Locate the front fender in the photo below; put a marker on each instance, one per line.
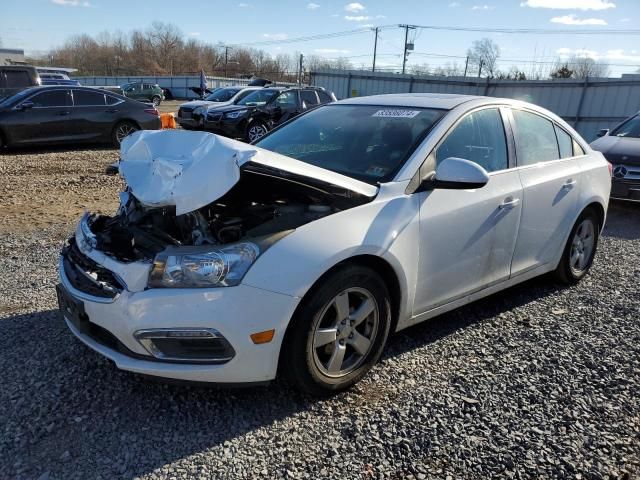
(383, 228)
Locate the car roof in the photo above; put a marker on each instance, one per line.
(446, 101)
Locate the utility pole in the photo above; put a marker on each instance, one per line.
(406, 44)
(466, 66)
(375, 49)
(300, 69)
(226, 60)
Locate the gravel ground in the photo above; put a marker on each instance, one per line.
(535, 382)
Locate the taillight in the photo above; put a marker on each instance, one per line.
(610, 169)
(152, 111)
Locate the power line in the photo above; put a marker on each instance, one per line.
(309, 38)
(533, 31)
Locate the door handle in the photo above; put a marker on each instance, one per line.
(509, 203)
(569, 184)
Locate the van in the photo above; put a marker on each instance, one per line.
(14, 78)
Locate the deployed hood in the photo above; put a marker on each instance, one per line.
(189, 170)
(619, 149)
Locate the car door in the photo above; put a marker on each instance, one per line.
(285, 107)
(46, 117)
(467, 237)
(91, 118)
(550, 184)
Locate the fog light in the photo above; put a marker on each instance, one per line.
(187, 345)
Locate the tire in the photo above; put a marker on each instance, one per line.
(121, 130)
(580, 249)
(323, 351)
(256, 130)
(156, 100)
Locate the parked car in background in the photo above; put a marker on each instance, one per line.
(58, 114)
(261, 111)
(14, 78)
(298, 255)
(621, 146)
(47, 78)
(144, 92)
(191, 114)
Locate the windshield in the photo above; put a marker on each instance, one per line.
(222, 94)
(630, 128)
(369, 143)
(259, 97)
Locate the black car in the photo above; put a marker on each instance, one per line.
(62, 114)
(621, 147)
(253, 116)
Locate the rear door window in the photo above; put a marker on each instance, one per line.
(54, 98)
(565, 142)
(535, 138)
(480, 138)
(309, 97)
(84, 98)
(324, 97)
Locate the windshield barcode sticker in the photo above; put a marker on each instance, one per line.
(396, 113)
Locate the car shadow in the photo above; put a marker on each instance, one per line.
(38, 149)
(135, 425)
(623, 220)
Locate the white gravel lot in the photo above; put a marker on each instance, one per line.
(539, 381)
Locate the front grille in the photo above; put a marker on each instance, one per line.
(86, 275)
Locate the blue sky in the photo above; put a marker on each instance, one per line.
(37, 25)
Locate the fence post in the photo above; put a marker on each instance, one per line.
(411, 84)
(349, 86)
(585, 86)
(486, 88)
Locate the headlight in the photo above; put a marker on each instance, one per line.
(200, 267)
(235, 114)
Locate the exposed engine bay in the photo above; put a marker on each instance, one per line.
(260, 205)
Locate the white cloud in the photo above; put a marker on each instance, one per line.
(71, 3)
(483, 7)
(625, 20)
(569, 4)
(381, 16)
(454, 4)
(357, 18)
(312, 6)
(354, 7)
(243, 5)
(330, 50)
(275, 36)
(194, 34)
(613, 55)
(573, 20)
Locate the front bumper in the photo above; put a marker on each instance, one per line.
(235, 312)
(233, 128)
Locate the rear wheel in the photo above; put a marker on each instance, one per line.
(256, 130)
(580, 249)
(156, 100)
(121, 131)
(339, 332)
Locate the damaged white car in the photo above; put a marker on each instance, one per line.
(233, 263)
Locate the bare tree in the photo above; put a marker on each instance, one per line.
(579, 67)
(483, 56)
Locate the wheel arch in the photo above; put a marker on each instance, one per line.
(375, 263)
(598, 208)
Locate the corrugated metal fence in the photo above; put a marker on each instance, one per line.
(588, 105)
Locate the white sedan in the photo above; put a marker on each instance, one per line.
(233, 263)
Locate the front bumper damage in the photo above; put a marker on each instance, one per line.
(106, 319)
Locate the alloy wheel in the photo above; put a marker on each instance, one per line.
(345, 332)
(123, 130)
(256, 132)
(582, 246)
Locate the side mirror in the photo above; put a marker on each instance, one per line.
(456, 174)
(26, 105)
(603, 132)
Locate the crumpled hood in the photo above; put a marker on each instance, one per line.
(189, 170)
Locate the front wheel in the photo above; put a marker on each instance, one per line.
(580, 250)
(122, 130)
(156, 100)
(339, 332)
(256, 131)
